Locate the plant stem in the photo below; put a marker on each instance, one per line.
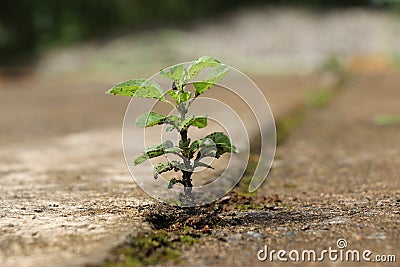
(187, 182)
(185, 142)
(186, 175)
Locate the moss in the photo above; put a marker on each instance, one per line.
(319, 98)
(386, 119)
(153, 248)
(396, 60)
(287, 206)
(289, 185)
(189, 240)
(251, 206)
(316, 98)
(286, 124)
(243, 186)
(146, 249)
(332, 64)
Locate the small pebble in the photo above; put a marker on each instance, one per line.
(289, 234)
(234, 237)
(337, 220)
(377, 236)
(304, 228)
(255, 235)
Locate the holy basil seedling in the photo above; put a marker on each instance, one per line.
(190, 153)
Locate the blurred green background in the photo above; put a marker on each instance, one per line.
(28, 28)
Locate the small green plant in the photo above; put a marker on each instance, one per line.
(189, 152)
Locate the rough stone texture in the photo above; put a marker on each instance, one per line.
(65, 193)
(66, 196)
(337, 177)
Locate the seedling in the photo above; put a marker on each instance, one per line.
(190, 153)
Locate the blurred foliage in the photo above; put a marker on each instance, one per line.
(27, 27)
(319, 97)
(386, 119)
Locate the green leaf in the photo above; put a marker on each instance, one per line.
(195, 145)
(174, 181)
(142, 88)
(155, 151)
(176, 73)
(178, 165)
(173, 120)
(199, 64)
(166, 166)
(217, 74)
(149, 119)
(172, 150)
(178, 96)
(126, 88)
(205, 146)
(213, 77)
(199, 122)
(169, 128)
(221, 144)
(201, 87)
(162, 167)
(202, 164)
(207, 151)
(142, 158)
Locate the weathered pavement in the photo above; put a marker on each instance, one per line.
(65, 193)
(66, 196)
(63, 184)
(337, 177)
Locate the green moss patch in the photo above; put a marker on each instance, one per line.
(151, 248)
